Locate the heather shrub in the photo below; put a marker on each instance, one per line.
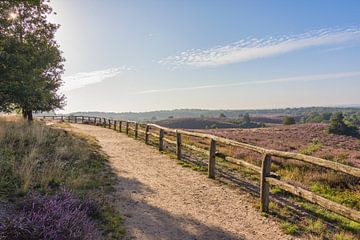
(37, 158)
(57, 217)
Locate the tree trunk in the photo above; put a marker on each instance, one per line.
(29, 115)
(24, 114)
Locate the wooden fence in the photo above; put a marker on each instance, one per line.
(267, 178)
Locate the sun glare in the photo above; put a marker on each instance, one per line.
(12, 16)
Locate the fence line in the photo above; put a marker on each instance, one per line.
(267, 177)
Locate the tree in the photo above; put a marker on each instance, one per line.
(222, 115)
(338, 126)
(288, 120)
(30, 60)
(246, 118)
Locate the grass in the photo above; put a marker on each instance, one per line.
(36, 157)
(289, 228)
(311, 148)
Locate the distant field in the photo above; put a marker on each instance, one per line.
(196, 123)
(297, 138)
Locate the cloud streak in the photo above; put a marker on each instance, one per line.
(83, 79)
(304, 78)
(250, 49)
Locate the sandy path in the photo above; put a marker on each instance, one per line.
(162, 200)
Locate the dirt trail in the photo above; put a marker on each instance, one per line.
(161, 200)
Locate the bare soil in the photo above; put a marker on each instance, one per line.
(159, 199)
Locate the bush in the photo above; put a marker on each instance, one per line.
(61, 216)
(289, 120)
(338, 126)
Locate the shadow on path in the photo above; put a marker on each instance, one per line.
(144, 221)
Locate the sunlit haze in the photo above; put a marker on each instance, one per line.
(149, 55)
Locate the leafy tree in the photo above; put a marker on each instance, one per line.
(222, 115)
(246, 118)
(338, 126)
(30, 60)
(288, 120)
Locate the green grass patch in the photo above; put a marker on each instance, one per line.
(311, 148)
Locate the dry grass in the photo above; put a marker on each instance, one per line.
(36, 157)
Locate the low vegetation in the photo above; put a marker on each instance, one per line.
(54, 185)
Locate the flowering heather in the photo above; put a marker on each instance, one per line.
(57, 217)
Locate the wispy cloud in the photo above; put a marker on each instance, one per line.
(83, 79)
(250, 49)
(310, 78)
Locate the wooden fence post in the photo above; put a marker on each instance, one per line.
(147, 134)
(265, 186)
(211, 166)
(120, 125)
(69, 119)
(178, 145)
(127, 128)
(53, 117)
(104, 122)
(115, 125)
(136, 130)
(109, 121)
(161, 140)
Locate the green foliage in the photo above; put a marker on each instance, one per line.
(288, 120)
(342, 196)
(311, 148)
(338, 126)
(246, 118)
(31, 62)
(289, 228)
(222, 115)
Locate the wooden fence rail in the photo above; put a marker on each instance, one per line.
(267, 177)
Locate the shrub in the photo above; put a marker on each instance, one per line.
(338, 126)
(288, 120)
(61, 216)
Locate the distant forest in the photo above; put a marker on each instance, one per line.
(302, 114)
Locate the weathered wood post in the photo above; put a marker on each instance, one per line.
(104, 122)
(109, 122)
(120, 125)
(69, 118)
(82, 119)
(62, 118)
(89, 120)
(211, 167)
(147, 134)
(178, 145)
(115, 125)
(127, 128)
(265, 186)
(136, 130)
(161, 139)
(43, 117)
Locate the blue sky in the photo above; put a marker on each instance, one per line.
(150, 55)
